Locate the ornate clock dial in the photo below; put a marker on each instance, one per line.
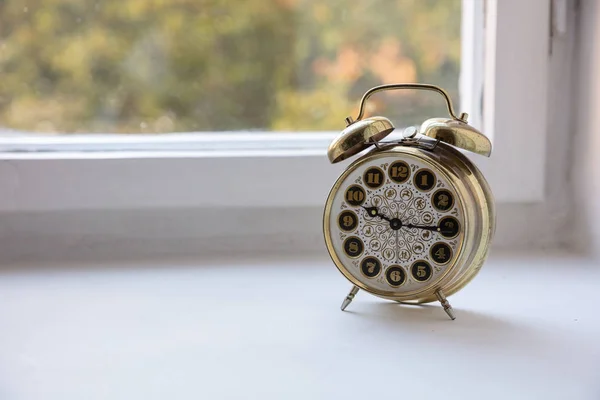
(396, 224)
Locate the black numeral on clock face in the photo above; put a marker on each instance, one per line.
(348, 221)
(421, 271)
(370, 267)
(395, 275)
(442, 200)
(353, 247)
(355, 195)
(440, 253)
(374, 177)
(399, 171)
(449, 227)
(424, 180)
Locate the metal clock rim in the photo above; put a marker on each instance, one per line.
(413, 295)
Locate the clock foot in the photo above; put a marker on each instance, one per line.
(349, 298)
(444, 301)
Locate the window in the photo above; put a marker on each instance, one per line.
(131, 66)
(247, 169)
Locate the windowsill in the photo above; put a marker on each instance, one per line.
(193, 170)
(220, 329)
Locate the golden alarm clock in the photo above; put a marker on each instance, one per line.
(412, 219)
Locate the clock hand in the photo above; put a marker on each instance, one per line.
(434, 228)
(427, 228)
(397, 246)
(374, 212)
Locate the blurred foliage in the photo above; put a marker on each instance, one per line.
(213, 65)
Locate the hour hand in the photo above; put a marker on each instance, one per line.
(374, 212)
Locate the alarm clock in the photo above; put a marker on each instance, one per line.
(411, 220)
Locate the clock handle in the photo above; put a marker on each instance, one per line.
(417, 86)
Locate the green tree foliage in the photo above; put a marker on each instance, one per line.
(211, 65)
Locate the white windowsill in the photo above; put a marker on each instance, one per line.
(272, 329)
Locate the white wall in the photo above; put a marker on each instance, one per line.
(585, 172)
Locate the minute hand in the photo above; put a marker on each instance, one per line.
(430, 228)
(427, 228)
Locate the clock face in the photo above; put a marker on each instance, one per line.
(396, 224)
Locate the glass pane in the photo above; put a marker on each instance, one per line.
(128, 66)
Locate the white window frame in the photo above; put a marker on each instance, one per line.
(291, 170)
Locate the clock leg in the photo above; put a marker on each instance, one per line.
(447, 307)
(349, 298)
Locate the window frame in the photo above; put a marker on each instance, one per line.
(258, 169)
